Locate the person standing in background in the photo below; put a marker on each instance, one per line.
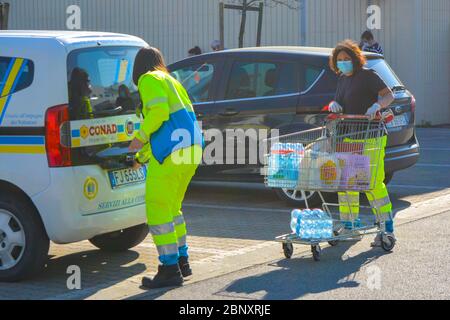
(195, 51)
(369, 44)
(216, 45)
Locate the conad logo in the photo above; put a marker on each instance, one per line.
(100, 130)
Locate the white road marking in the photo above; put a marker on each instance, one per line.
(191, 249)
(235, 253)
(435, 149)
(210, 206)
(432, 165)
(410, 186)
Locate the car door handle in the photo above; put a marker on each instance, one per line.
(229, 112)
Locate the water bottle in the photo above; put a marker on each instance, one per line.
(274, 165)
(317, 224)
(295, 220)
(308, 230)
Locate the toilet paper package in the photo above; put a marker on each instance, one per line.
(355, 171)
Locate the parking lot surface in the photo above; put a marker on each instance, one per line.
(231, 232)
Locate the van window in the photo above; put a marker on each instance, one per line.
(16, 74)
(100, 80)
(262, 79)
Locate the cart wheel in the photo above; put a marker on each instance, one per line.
(334, 243)
(288, 250)
(388, 242)
(316, 251)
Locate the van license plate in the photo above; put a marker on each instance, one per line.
(399, 121)
(119, 178)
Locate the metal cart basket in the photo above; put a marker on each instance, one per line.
(341, 156)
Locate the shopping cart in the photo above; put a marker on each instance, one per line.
(341, 156)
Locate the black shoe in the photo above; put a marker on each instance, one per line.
(185, 268)
(167, 276)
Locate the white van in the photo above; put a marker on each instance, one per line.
(68, 109)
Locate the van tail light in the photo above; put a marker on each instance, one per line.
(58, 155)
(413, 104)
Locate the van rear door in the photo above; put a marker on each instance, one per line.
(104, 116)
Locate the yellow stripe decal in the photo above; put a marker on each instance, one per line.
(23, 149)
(10, 82)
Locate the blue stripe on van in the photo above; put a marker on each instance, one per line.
(18, 140)
(76, 133)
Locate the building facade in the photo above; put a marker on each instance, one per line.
(415, 34)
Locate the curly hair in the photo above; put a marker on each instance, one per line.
(353, 50)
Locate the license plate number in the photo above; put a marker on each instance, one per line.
(399, 121)
(119, 178)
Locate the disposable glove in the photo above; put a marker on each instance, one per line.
(335, 107)
(373, 111)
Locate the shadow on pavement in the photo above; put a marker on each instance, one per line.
(301, 276)
(99, 270)
(249, 225)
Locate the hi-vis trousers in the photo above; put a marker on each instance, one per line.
(167, 184)
(379, 196)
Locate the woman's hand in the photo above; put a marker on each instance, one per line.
(136, 165)
(372, 112)
(136, 145)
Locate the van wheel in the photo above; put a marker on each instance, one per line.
(24, 244)
(295, 198)
(122, 240)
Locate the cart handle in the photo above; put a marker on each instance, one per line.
(380, 117)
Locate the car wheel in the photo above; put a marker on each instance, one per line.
(295, 198)
(388, 178)
(24, 244)
(122, 240)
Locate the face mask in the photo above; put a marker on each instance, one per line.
(346, 67)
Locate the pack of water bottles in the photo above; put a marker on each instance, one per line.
(283, 165)
(311, 224)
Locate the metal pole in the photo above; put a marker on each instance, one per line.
(260, 22)
(222, 24)
(4, 16)
(303, 22)
(243, 23)
(1, 16)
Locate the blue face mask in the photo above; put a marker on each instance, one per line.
(346, 67)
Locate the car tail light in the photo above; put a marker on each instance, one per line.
(58, 155)
(413, 104)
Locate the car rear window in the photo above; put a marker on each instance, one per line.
(101, 79)
(385, 72)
